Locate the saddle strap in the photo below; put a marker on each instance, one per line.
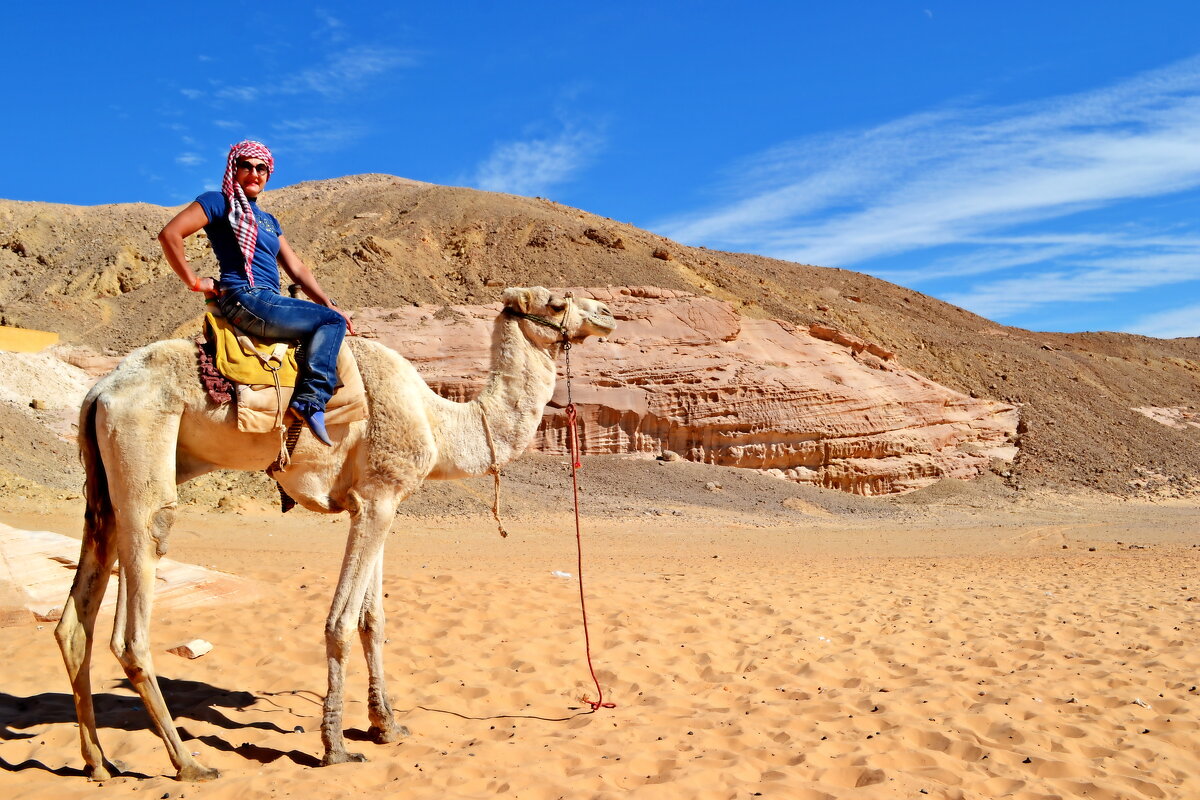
(272, 362)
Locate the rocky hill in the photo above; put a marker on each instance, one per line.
(96, 275)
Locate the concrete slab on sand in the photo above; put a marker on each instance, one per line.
(37, 567)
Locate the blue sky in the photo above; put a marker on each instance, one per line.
(1035, 162)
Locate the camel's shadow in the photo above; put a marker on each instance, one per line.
(24, 717)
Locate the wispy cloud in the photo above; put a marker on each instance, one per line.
(331, 28)
(965, 179)
(315, 135)
(313, 95)
(346, 71)
(1169, 324)
(1092, 280)
(343, 73)
(241, 94)
(534, 166)
(189, 159)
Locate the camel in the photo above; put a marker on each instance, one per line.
(148, 426)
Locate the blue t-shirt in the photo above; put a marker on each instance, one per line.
(265, 265)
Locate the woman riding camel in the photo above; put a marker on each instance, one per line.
(250, 248)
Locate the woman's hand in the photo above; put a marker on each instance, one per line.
(301, 274)
(183, 225)
(349, 322)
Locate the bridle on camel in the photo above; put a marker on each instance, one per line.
(560, 326)
(573, 447)
(494, 468)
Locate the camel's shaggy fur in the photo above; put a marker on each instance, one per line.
(148, 426)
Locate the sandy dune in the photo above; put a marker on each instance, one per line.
(957, 652)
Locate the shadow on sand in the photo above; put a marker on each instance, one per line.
(26, 717)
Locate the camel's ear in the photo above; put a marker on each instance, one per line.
(517, 299)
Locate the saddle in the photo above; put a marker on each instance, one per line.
(264, 373)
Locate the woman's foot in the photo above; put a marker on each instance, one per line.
(316, 423)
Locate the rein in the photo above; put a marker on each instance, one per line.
(494, 467)
(573, 447)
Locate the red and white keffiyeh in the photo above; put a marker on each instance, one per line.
(241, 213)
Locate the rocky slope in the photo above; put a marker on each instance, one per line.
(688, 375)
(95, 275)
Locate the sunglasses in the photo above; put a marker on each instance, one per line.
(261, 169)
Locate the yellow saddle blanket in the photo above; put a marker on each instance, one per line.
(246, 359)
(253, 365)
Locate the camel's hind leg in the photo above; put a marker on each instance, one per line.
(371, 631)
(75, 636)
(140, 455)
(370, 521)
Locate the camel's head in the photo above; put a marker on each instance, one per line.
(550, 315)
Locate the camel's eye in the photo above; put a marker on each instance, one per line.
(557, 304)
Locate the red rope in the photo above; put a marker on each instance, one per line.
(573, 441)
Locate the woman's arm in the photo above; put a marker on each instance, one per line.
(301, 274)
(184, 224)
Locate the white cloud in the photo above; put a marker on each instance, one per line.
(345, 71)
(189, 159)
(533, 166)
(1100, 279)
(241, 94)
(314, 135)
(342, 73)
(331, 27)
(999, 253)
(1169, 324)
(963, 178)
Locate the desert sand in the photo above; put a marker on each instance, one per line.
(944, 645)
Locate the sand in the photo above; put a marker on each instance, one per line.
(1028, 649)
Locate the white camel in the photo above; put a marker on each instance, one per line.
(148, 426)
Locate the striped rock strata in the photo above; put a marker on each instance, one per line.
(690, 375)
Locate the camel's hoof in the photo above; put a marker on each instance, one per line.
(195, 773)
(98, 774)
(341, 758)
(392, 733)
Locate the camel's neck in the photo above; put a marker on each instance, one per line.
(520, 384)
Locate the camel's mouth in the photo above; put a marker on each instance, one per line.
(598, 322)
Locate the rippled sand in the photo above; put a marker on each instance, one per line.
(980, 655)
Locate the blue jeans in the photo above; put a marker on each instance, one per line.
(320, 330)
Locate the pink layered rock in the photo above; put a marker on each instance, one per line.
(690, 375)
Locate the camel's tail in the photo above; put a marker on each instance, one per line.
(75, 628)
(98, 515)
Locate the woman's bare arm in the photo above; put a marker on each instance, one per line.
(298, 271)
(183, 225)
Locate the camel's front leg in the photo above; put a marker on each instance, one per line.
(370, 521)
(371, 630)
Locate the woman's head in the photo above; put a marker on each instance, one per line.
(248, 168)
